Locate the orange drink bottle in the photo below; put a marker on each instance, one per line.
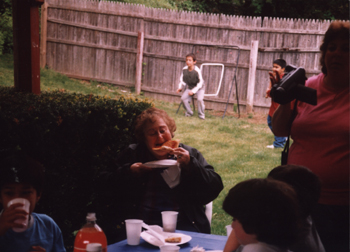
(90, 233)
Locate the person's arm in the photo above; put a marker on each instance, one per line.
(268, 90)
(281, 120)
(200, 83)
(127, 167)
(232, 243)
(58, 239)
(199, 182)
(181, 83)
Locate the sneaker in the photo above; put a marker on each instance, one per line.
(270, 146)
(202, 118)
(188, 114)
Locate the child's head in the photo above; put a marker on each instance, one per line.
(191, 59)
(279, 65)
(265, 210)
(305, 183)
(21, 177)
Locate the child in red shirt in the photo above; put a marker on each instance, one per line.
(278, 68)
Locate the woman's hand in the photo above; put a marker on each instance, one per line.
(139, 168)
(183, 156)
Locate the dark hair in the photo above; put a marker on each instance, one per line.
(305, 183)
(337, 29)
(281, 62)
(267, 208)
(149, 116)
(20, 168)
(191, 55)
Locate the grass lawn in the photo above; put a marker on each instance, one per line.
(235, 147)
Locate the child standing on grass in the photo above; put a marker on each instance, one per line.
(191, 78)
(265, 215)
(23, 177)
(279, 66)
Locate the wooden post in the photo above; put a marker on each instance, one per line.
(139, 57)
(252, 72)
(43, 38)
(26, 51)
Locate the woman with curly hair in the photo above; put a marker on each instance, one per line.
(141, 192)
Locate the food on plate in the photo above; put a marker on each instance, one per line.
(168, 145)
(173, 239)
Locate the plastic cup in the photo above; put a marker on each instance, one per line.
(169, 219)
(228, 230)
(133, 231)
(26, 205)
(169, 248)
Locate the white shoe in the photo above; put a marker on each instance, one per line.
(270, 146)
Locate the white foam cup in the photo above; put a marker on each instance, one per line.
(228, 230)
(133, 231)
(169, 219)
(169, 248)
(24, 221)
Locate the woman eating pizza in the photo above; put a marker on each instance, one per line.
(159, 174)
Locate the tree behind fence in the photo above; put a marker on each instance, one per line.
(98, 41)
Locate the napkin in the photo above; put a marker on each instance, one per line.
(197, 249)
(171, 175)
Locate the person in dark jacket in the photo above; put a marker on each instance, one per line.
(136, 190)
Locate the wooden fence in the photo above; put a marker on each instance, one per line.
(123, 44)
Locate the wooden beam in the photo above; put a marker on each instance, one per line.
(26, 45)
(43, 35)
(252, 72)
(139, 57)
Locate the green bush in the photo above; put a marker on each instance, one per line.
(74, 136)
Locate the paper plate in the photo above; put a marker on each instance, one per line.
(161, 163)
(154, 241)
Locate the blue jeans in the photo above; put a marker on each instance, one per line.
(279, 141)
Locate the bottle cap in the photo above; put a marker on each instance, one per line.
(94, 247)
(91, 217)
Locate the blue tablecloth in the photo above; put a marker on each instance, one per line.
(207, 241)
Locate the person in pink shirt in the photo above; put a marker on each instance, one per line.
(321, 137)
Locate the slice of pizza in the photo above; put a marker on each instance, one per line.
(168, 145)
(173, 239)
